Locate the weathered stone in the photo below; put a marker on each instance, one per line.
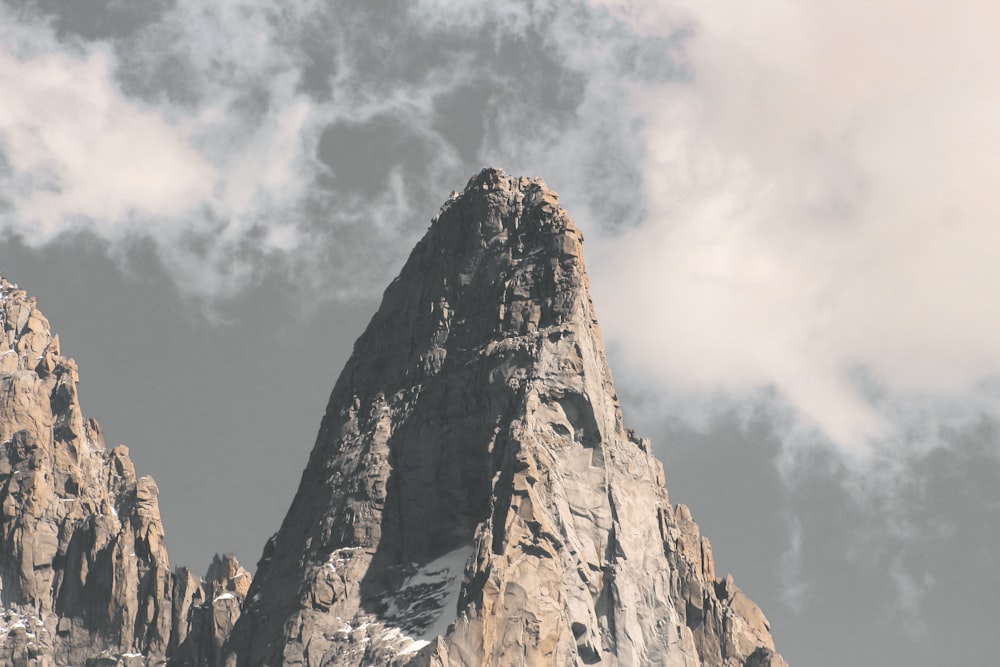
(82, 560)
(205, 611)
(476, 430)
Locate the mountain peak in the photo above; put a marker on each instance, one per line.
(476, 428)
(473, 496)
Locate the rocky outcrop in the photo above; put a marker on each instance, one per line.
(83, 568)
(474, 496)
(84, 574)
(205, 611)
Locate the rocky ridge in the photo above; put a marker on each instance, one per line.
(83, 566)
(84, 572)
(476, 428)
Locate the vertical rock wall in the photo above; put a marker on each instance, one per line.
(83, 567)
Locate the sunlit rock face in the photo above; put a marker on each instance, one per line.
(83, 567)
(205, 611)
(474, 497)
(84, 573)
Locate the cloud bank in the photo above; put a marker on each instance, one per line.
(784, 195)
(821, 201)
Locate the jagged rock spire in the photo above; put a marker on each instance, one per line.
(83, 568)
(473, 496)
(84, 572)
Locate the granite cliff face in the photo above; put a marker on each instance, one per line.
(474, 497)
(84, 573)
(205, 611)
(83, 567)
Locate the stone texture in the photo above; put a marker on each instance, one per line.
(205, 611)
(83, 568)
(477, 416)
(84, 572)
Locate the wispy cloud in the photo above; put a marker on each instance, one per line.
(198, 133)
(820, 210)
(785, 195)
(794, 587)
(77, 152)
(82, 156)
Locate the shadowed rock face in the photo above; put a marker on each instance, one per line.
(83, 567)
(477, 423)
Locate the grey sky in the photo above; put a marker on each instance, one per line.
(789, 212)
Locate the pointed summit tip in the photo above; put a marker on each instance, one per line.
(504, 212)
(495, 178)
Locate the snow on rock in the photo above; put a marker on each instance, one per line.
(427, 601)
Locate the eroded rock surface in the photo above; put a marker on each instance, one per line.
(84, 573)
(205, 611)
(83, 568)
(476, 423)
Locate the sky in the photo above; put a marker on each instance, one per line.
(789, 210)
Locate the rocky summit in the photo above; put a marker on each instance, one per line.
(473, 496)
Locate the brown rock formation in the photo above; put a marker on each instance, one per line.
(84, 575)
(83, 568)
(473, 497)
(205, 611)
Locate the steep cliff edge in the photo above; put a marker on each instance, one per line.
(83, 567)
(84, 573)
(473, 496)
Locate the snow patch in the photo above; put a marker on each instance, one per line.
(427, 601)
(415, 646)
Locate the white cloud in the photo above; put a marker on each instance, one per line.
(815, 183)
(61, 118)
(82, 156)
(196, 136)
(821, 201)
